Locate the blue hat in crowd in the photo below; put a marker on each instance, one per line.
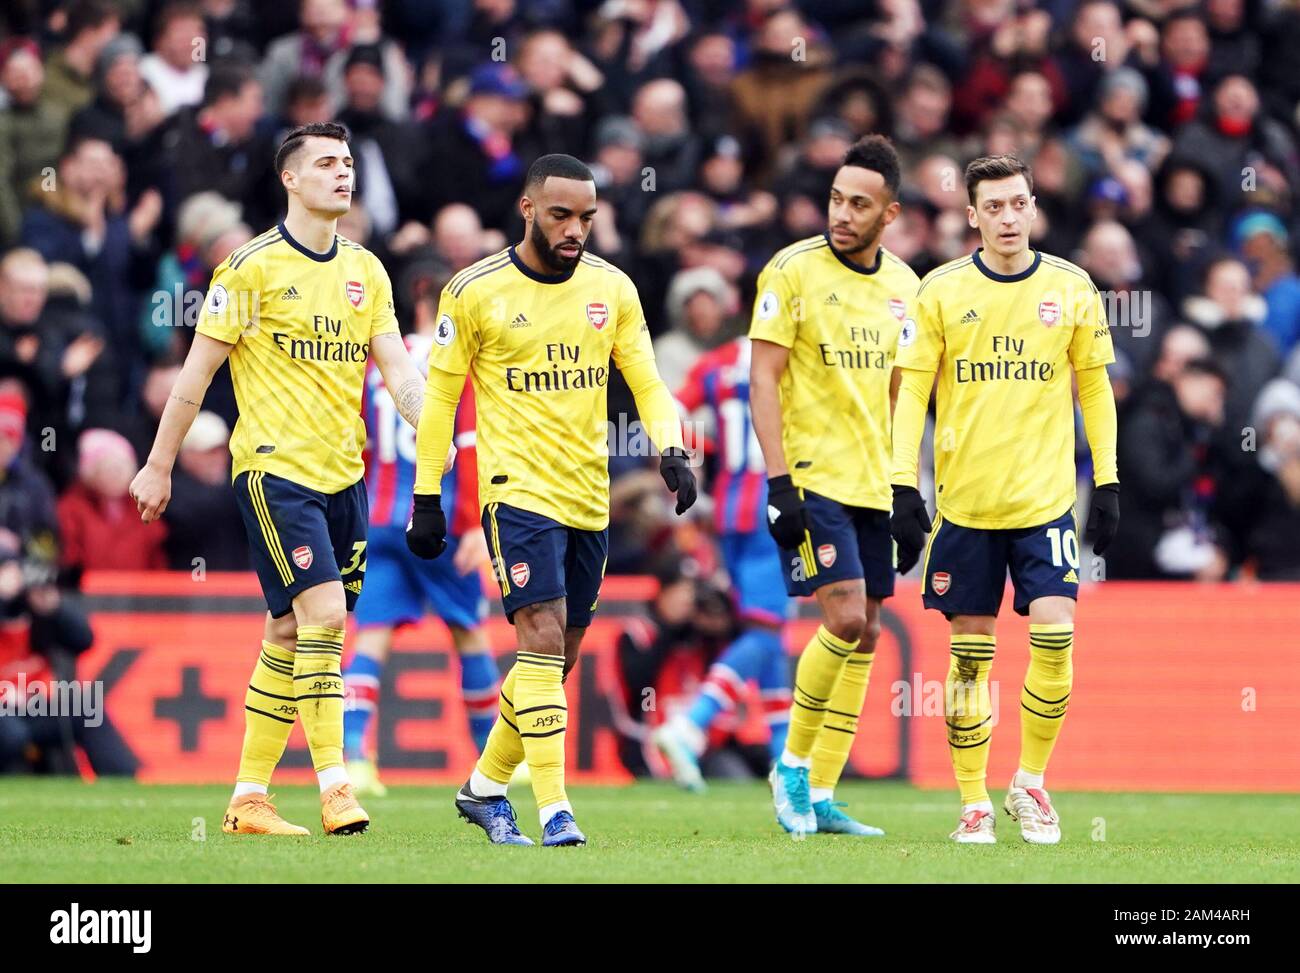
(496, 79)
(1259, 221)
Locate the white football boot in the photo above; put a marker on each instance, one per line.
(975, 828)
(1032, 807)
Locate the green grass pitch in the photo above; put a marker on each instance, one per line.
(64, 831)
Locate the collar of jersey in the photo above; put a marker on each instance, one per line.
(880, 258)
(1006, 278)
(318, 257)
(534, 275)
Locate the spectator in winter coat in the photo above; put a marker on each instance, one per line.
(100, 526)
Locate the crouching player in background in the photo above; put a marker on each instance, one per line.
(400, 586)
(720, 382)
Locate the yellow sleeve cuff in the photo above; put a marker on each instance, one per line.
(437, 424)
(655, 405)
(1097, 402)
(909, 425)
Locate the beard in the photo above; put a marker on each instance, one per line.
(869, 237)
(552, 257)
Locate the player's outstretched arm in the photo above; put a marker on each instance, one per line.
(658, 411)
(1097, 403)
(152, 487)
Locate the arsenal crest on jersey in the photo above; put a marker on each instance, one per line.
(302, 557)
(1049, 312)
(597, 314)
(356, 292)
(520, 573)
(897, 307)
(940, 582)
(826, 555)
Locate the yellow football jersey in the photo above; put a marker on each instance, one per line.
(301, 323)
(1003, 347)
(841, 323)
(539, 351)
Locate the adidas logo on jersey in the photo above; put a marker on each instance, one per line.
(291, 294)
(832, 301)
(1071, 577)
(520, 321)
(970, 317)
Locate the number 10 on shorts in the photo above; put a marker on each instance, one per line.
(1064, 541)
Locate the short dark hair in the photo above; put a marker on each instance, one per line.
(1207, 366)
(996, 167)
(86, 15)
(225, 80)
(77, 140)
(876, 152)
(173, 11)
(294, 140)
(304, 88)
(559, 165)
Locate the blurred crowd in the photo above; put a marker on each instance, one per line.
(136, 140)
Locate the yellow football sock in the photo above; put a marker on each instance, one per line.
(815, 677)
(1046, 695)
(318, 685)
(504, 750)
(831, 751)
(269, 713)
(969, 713)
(541, 713)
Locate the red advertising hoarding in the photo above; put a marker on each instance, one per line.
(1177, 687)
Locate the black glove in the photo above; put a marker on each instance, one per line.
(426, 532)
(910, 525)
(1103, 516)
(674, 468)
(907, 559)
(786, 519)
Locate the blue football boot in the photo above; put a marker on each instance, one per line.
(790, 799)
(831, 820)
(562, 830)
(494, 815)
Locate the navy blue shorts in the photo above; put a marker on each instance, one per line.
(300, 537)
(966, 568)
(401, 587)
(841, 543)
(537, 559)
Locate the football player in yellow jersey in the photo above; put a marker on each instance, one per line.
(1005, 330)
(825, 329)
(537, 324)
(297, 311)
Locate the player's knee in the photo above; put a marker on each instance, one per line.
(283, 631)
(848, 624)
(540, 628)
(325, 616)
(870, 635)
